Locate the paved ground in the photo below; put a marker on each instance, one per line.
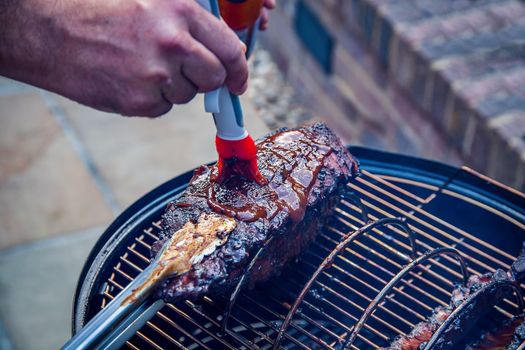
(66, 171)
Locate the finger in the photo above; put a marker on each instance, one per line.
(203, 68)
(178, 89)
(269, 4)
(221, 41)
(264, 19)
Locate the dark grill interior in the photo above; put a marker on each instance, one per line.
(323, 305)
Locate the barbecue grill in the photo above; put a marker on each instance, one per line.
(403, 236)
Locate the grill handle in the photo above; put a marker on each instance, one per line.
(121, 318)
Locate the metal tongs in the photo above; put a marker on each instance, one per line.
(136, 303)
(120, 319)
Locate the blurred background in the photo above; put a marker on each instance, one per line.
(436, 79)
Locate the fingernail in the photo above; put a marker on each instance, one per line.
(244, 47)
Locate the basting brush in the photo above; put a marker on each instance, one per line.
(235, 147)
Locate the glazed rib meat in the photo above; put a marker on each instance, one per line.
(307, 170)
(424, 330)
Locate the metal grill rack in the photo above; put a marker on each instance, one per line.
(366, 279)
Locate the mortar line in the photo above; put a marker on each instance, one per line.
(60, 116)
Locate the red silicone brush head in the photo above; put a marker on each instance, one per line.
(237, 157)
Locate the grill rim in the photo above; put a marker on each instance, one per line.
(385, 163)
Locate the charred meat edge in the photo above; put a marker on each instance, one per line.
(424, 330)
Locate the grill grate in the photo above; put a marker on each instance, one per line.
(313, 307)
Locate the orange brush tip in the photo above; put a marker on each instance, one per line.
(238, 157)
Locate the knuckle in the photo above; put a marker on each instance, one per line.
(176, 42)
(183, 8)
(233, 54)
(155, 75)
(184, 97)
(215, 80)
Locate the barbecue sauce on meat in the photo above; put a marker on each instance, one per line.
(307, 170)
(289, 179)
(234, 166)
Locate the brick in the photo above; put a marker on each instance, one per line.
(458, 24)
(421, 76)
(384, 41)
(424, 32)
(331, 5)
(446, 7)
(404, 11)
(509, 147)
(503, 161)
(434, 8)
(367, 19)
(484, 41)
(456, 120)
(441, 93)
(402, 63)
(496, 105)
(462, 67)
(511, 125)
(501, 83)
(479, 149)
(348, 16)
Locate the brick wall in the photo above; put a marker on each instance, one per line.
(437, 79)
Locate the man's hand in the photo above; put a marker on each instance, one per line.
(133, 57)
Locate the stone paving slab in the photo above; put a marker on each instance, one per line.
(44, 188)
(37, 284)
